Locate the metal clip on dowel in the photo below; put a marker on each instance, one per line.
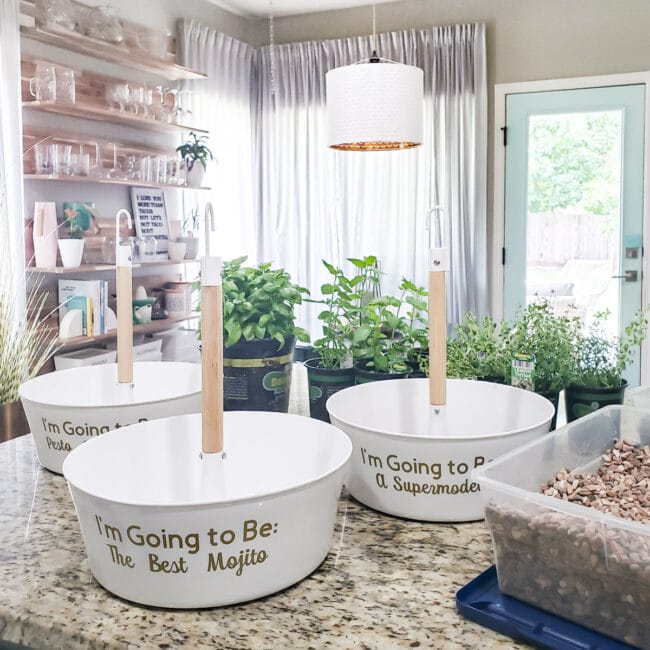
(124, 289)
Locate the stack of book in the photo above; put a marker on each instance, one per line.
(91, 298)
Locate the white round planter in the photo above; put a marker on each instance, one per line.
(195, 175)
(71, 252)
(410, 462)
(67, 408)
(166, 528)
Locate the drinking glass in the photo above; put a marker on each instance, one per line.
(150, 246)
(60, 155)
(147, 100)
(160, 168)
(59, 12)
(65, 86)
(145, 169)
(43, 85)
(42, 161)
(117, 94)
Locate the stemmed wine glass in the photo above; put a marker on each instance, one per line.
(97, 170)
(115, 173)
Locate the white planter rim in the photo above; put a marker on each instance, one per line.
(77, 459)
(452, 436)
(92, 377)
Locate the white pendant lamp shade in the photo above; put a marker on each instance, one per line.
(374, 106)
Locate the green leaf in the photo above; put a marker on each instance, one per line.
(361, 334)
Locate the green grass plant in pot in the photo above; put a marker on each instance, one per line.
(601, 359)
(547, 342)
(26, 345)
(343, 299)
(259, 335)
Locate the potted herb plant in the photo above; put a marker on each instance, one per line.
(378, 342)
(343, 298)
(601, 359)
(195, 154)
(71, 243)
(478, 350)
(414, 326)
(259, 335)
(545, 342)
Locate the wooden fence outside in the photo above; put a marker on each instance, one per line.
(555, 238)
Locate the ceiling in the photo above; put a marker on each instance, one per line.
(262, 8)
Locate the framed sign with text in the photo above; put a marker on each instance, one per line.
(150, 215)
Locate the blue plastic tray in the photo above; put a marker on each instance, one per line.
(482, 602)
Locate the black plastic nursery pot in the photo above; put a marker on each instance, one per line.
(414, 365)
(582, 400)
(363, 374)
(554, 398)
(323, 383)
(257, 375)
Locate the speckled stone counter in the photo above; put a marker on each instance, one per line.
(387, 583)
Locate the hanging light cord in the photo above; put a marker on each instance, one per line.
(373, 57)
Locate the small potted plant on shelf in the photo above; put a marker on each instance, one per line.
(71, 243)
(195, 155)
(189, 232)
(601, 359)
(259, 335)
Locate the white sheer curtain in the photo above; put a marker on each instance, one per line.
(223, 104)
(11, 189)
(316, 203)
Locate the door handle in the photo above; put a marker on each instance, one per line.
(628, 276)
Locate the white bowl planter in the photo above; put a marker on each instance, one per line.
(166, 528)
(71, 252)
(195, 175)
(67, 408)
(409, 462)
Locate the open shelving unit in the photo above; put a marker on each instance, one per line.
(103, 114)
(145, 328)
(95, 101)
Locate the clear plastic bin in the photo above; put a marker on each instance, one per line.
(563, 557)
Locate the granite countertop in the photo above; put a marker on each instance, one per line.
(386, 583)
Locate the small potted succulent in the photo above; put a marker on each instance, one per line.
(71, 243)
(195, 155)
(259, 335)
(601, 359)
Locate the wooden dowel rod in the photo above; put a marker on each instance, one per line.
(437, 339)
(124, 325)
(212, 368)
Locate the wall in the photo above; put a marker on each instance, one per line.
(526, 39)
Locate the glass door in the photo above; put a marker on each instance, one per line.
(574, 203)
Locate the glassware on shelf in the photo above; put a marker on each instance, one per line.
(115, 173)
(97, 170)
(117, 94)
(56, 12)
(147, 100)
(160, 169)
(145, 169)
(173, 171)
(160, 109)
(101, 23)
(132, 168)
(43, 85)
(65, 87)
(136, 98)
(150, 247)
(60, 158)
(42, 161)
(80, 163)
